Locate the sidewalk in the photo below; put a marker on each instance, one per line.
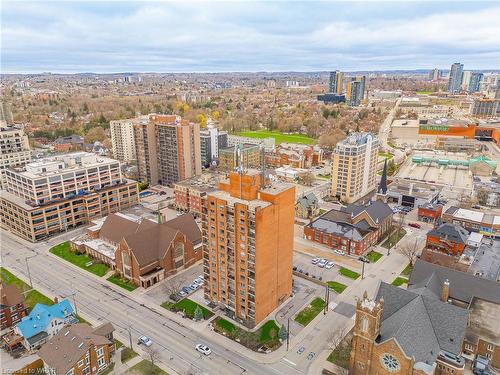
(120, 367)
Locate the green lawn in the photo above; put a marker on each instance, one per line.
(310, 312)
(394, 238)
(398, 281)
(323, 176)
(31, 296)
(341, 354)
(348, 273)
(322, 211)
(423, 92)
(127, 354)
(385, 155)
(147, 368)
(266, 335)
(407, 270)
(336, 286)
(118, 344)
(279, 137)
(373, 256)
(63, 250)
(188, 307)
(120, 281)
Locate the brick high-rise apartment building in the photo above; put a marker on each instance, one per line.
(354, 166)
(248, 246)
(167, 149)
(61, 192)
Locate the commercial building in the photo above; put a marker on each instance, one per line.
(354, 166)
(12, 307)
(167, 149)
(211, 140)
(70, 143)
(78, 349)
(14, 148)
(434, 74)
(61, 192)
(466, 76)
(410, 332)
(455, 78)
(248, 154)
(430, 212)
(473, 220)
(330, 98)
(355, 90)
(122, 138)
(336, 82)
(248, 229)
(475, 82)
(189, 194)
(484, 107)
(352, 229)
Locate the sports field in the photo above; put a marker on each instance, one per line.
(279, 137)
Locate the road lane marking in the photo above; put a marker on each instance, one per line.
(290, 362)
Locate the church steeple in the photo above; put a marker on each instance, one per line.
(382, 187)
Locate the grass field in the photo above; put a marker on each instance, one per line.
(120, 281)
(32, 296)
(407, 270)
(425, 92)
(348, 273)
(385, 155)
(266, 335)
(279, 137)
(398, 281)
(188, 307)
(394, 238)
(310, 312)
(63, 251)
(336, 286)
(341, 354)
(373, 256)
(127, 354)
(147, 368)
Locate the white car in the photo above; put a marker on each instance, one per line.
(198, 281)
(203, 349)
(329, 265)
(322, 263)
(315, 260)
(340, 252)
(145, 340)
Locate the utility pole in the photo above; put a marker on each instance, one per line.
(363, 270)
(288, 334)
(28, 269)
(74, 303)
(327, 298)
(130, 337)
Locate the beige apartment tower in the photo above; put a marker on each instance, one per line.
(248, 246)
(354, 167)
(122, 138)
(167, 149)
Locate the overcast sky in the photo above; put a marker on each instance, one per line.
(120, 36)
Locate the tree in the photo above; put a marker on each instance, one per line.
(307, 179)
(173, 287)
(154, 357)
(410, 250)
(198, 314)
(331, 140)
(283, 333)
(201, 119)
(95, 134)
(215, 115)
(335, 337)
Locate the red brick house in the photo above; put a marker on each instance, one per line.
(448, 239)
(430, 213)
(12, 307)
(149, 256)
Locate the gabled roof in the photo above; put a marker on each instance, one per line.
(422, 324)
(186, 225)
(452, 232)
(10, 295)
(339, 228)
(463, 286)
(116, 226)
(307, 200)
(378, 210)
(41, 316)
(65, 349)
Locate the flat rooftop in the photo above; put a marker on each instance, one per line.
(483, 321)
(415, 189)
(244, 147)
(253, 204)
(486, 260)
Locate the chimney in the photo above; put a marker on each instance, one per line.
(445, 292)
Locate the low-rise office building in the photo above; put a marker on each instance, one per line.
(430, 212)
(474, 220)
(62, 192)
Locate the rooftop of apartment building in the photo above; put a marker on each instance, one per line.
(206, 182)
(5, 127)
(357, 139)
(58, 164)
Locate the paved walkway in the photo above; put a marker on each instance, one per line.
(120, 367)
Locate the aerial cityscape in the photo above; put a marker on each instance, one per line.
(250, 188)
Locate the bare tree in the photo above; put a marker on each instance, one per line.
(154, 357)
(173, 287)
(410, 250)
(307, 179)
(335, 337)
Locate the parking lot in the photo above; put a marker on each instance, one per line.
(304, 262)
(159, 292)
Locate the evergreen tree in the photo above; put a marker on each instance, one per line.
(283, 333)
(198, 314)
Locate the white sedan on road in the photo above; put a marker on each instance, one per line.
(145, 341)
(203, 349)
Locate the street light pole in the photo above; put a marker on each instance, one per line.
(363, 270)
(288, 334)
(28, 269)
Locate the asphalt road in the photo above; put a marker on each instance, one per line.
(98, 302)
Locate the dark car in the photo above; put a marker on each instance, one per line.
(414, 225)
(364, 259)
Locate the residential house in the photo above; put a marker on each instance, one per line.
(43, 322)
(307, 206)
(78, 349)
(352, 229)
(12, 307)
(447, 238)
(148, 256)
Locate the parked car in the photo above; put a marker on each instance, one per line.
(186, 289)
(203, 349)
(322, 263)
(315, 260)
(194, 287)
(364, 259)
(340, 252)
(414, 225)
(145, 341)
(198, 281)
(329, 265)
(183, 293)
(301, 350)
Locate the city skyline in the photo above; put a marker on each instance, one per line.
(64, 37)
